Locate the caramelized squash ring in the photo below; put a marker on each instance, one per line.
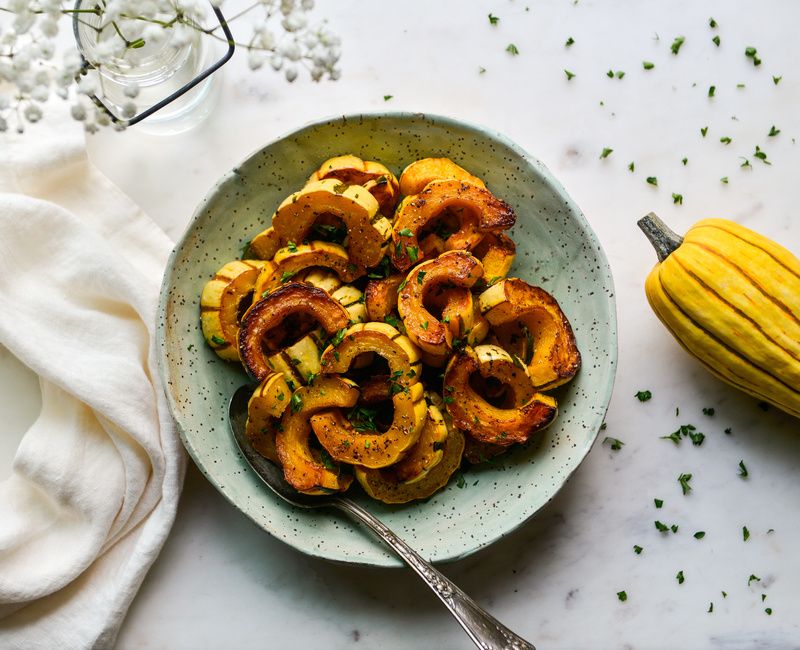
(421, 172)
(271, 311)
(372, 176)
(266, 405)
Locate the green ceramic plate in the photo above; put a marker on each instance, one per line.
(556, 249)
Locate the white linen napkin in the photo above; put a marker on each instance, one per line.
(96, 479)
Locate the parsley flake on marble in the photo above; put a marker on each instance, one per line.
(661, 527)
(493, 20)
(643, 395)
(676, 44)
(751, 53)
(570, 42)
(753, 578)
(712, 23)
(708, 411)
(637, 549)
(710, 608)
(745, 534)
(677, 199)
(773, 132)
(622, 596)
(569, 74)
(724, 180)
(712, 90)
(679, 577)
(700, 534)
(512, 49)
(652, 180)
(684, 161)
(776, 80)
(761, 155)
(715, 40)
(768, 610)
(703, 131)
(631, 167)
(606, 153)
(658, 502)
(683, 480)
(648, 65)
(614, 443)
(743, 470)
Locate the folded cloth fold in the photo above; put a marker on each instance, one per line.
(96, 479)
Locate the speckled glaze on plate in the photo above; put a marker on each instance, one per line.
(556, 248)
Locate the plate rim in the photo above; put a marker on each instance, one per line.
(611, 359)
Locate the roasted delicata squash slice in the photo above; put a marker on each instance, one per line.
(455, 271)
(368, 233)
(496, 252)
(373, 448)
(372, 176)
(300, 363)
(474, 209)
(263, 246)
(226, 297)
(350, 296)
(276, 310)
(381, 296)
(264, 410)
(421, 172)
(390, 486)
(290, 261)
(402, 356)
(528, 322)
(484, 421)
(308, 470)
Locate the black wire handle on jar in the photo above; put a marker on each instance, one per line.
(86, 66)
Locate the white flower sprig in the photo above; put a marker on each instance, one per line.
(30, 71)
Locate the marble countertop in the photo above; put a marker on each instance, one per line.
(221, 582)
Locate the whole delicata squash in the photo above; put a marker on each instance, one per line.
(226, 297)
(481, 419)
(528, 322)
(274, 310)
(475, 210)
(372, 176)
(368, 233)
(421, 172)
(731, 298)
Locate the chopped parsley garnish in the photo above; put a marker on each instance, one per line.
(406, 232)
(569, 74)
(703, 131)
(648, 65)
(637, 549)
(752, 53)
(776, 80)
(362, 418)
(725, 139)
(386, 98)
(753, 578)
(481, 70)
(287, 275)
(570, 41)
(724, 180)
(619, 74)
(413, 253)
(745, 533)
(493, 20)
(337, 338)
(743, 470)
(662, 528)
(712, 90)
(280, 397)
(716, 40)
(712, 23)
(677, 199)
(622, 596)
(773, 132)
(643, 395)
(658, 502)
(708, 411)
(292, 247)
(339, 189)
(700, 534)
(679, 577)
(745, 162)
(461, 482)
(421, 276)
(761, 155)
(610, 74)
(218, 340)
(684, 161)
(674, 528)
(296, 403)
(366, 444)
(710, 608)
(424, 325)
(676, 44)
(652, 180)
(605, 153)
(768, 610)
(615, 444)
(686, 431)
(684, 479)
(512, 49)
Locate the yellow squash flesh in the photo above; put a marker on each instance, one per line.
(731, 298)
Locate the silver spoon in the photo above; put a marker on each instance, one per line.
(485, 631)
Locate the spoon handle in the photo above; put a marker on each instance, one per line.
(485, 631)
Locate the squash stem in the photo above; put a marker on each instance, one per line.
(663, 239)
